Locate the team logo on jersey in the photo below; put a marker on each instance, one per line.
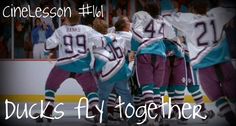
(189, 80)
(183, 80)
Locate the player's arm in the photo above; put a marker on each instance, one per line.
(169, 31)
(171, 34)
(137, 32)
(137, 26)
(180, 38)
(179, 20)
(109, 38)
(127, 43)
(131, 56)
(96, 39)
(51, 43)
(223, 15)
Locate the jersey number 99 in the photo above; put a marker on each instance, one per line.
(80, 46)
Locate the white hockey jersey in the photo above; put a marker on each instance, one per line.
(124, 39)
(207, 42)
(144, 28)
(110, 62)
(75, 47)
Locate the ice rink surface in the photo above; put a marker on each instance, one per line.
(71, 118)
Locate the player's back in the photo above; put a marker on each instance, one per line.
(144, 28)
(147, 26)
(207, 41)
(124, 40)
(203, 30)
(75, 45)
(110, 62)
(73, 40)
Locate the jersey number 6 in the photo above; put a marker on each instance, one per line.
(116, 52)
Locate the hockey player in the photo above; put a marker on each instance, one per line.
(75, 44)
(101, 26)
(193, 87)
(209, 53)
(112, 69)
(178, 69)
(149, 30)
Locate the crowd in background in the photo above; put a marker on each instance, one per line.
(31, 33)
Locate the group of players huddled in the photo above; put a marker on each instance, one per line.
(162, 50)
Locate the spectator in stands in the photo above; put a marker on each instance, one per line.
(3, 47)
(48, 20)
(5, 35)
(19, 40)
(28, 46)
(117, 16)
(40, 33)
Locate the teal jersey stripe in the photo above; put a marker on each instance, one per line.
(218, 55)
